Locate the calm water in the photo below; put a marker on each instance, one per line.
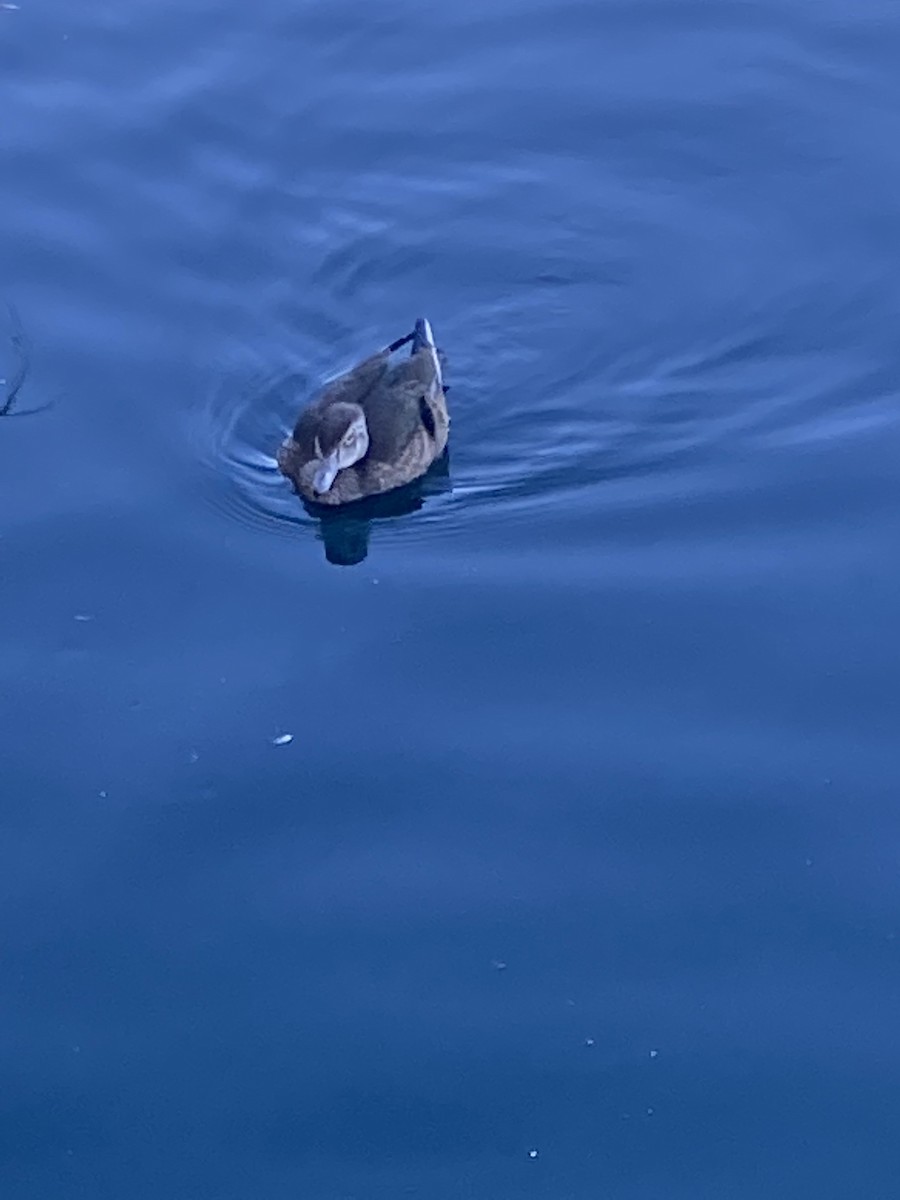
(580, 877)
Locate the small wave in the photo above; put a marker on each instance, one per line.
(541, 412)
(514, 447)
(236, 433)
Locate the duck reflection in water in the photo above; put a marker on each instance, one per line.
(345, 529)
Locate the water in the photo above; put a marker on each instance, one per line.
(579, 876)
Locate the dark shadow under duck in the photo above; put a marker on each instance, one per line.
(344, 529)
(378, 427)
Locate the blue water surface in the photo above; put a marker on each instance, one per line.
(579, 877)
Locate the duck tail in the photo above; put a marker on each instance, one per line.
(407, 337)
(422, 335)
(423, 338)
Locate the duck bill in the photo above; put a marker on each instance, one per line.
(325, 475)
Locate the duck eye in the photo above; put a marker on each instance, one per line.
(350, 438)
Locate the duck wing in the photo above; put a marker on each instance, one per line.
(392, 415)
(420, 369)
(400, 404)
(353, 385)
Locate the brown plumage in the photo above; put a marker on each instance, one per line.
(372, 429)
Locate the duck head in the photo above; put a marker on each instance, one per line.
(342, 439)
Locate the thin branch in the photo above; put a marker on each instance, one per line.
(14, 386)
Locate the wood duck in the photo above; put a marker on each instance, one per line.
(377, 427)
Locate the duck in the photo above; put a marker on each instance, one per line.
(377, 427)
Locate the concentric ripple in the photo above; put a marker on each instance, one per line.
(541, 411)
(237, 432)
(523, 434)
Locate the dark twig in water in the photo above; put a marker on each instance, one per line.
(20, 373)
(14, 386)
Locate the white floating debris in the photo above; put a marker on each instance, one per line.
(498, 964)
(654, 1053)
(589, 1041)
(83, 617)
(532, 1153)
(193, 756)
(10, 8)
(283, 739)
(649, 1112)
